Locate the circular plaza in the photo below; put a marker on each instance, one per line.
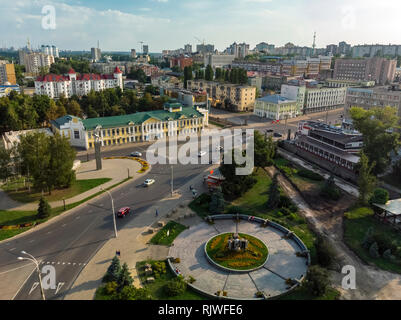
(269, 259)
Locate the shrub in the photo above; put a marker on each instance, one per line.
(317, 280)
(175, 287)
(110, 288)
(44, 209)
(325, 252)
(380, 196)
(330, 190)
(239, 210)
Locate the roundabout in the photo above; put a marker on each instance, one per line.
(273, 262)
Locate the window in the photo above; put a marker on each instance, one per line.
(76, 134)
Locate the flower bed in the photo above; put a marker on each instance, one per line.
(144, 164)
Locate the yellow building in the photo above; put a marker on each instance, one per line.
(7, 73)
(173, 121)
(239, 97)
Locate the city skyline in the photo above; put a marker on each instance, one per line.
(170, 24)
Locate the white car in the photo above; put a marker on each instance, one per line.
(149, 182)
(136, 154)
(201, 153)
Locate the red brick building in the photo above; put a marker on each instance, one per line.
(181, 62)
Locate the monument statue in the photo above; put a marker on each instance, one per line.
(98, 145)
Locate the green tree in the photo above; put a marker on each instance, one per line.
(175, 287)
(217, 203)
(330, 190)
(209, 74)
(113, 271)
(380, 196)
(379, 129)
(274, 194)
(124, 278)
(366, 180)
(187, 75)
(62, 156)
(265, 150)
(317, 280)
(44, 209)
(5, 164)
(132, 293)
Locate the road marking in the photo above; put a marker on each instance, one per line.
(12, 249)
(35, 284)
(63, 263)
(49, 232)
(77, 218)
(24, 283)
(58, 262)
(64, 225)
(60, 284)
(31, 241)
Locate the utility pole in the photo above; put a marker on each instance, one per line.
(172, 180)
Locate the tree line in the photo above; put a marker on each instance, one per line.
(20, 112)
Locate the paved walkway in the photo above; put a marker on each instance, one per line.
(282, 262)
(111, 169)
(132, 243)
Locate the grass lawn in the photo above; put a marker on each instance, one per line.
(356, 223)
(156, 288)
(217, 124)
(161, 237)
(78, 187)
(303, 294)
(10, 218)
(254, 202)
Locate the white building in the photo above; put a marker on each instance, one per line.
(50, 50)
(54, 86)
(219, 60)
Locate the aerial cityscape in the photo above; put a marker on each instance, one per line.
(153, 151)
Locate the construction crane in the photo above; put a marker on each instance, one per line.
(203, 42)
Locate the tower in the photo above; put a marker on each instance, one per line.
(118, 75)
(314, 44)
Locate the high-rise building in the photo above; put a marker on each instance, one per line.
(240, 50)
(188, 48)
(380, 70)
(7, 73)
(145, 49)
(96, 54)
(205, 48)
(50, 50)
(344, 48)
(264, 47)
(34, 61)
(332, 49)
(133, 53)
(218, 60)
(374, 50)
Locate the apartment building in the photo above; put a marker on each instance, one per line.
(54, 86)
(219, 60)
(174, 120)
(264, 67)
(7, 73)
(181, 62)
(276, 107)
(371, 50)
(376, 97)
(229, 96)
(380, 70)
(239, 50)
(34, 61)
(50, 50)
(314, 98)
(96, 54)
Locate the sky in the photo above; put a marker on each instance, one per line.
(120, 25)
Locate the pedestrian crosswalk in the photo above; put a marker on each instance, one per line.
(74, 264)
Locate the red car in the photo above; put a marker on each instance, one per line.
(123, 212)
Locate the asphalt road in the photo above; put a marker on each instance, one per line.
(70, 243)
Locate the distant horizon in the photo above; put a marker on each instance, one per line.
(170, 24)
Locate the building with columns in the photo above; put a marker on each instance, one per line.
(174, 120)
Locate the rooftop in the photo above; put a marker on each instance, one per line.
(276, 99)
(392, 206)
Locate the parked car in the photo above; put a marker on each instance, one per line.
(149, 182)
(277, 135)
(201, 153)
(136, 154)
(269, 130)
(123, 212)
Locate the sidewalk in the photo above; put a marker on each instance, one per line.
(111, 169)
(132, 242)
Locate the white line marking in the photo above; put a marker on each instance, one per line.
(63, 263)
(31, 241)
(49, 232)
(4, 272)
(77, 218)
(23, 283)
(12, 249)
(64, 225)
(58, 262)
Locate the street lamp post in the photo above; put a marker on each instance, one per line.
(172, 181)
(32, 259)
(114, 216)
